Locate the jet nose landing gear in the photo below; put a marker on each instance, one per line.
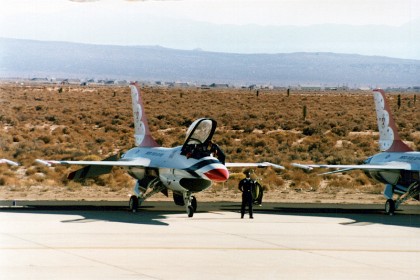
(190, 203)
(190, 211)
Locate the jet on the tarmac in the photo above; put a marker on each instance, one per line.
(397, 166)
(184, 170)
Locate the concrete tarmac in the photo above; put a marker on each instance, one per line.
(86, 240)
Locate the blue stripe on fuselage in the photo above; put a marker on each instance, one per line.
(193, 168)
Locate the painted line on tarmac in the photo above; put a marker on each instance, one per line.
(213, 248)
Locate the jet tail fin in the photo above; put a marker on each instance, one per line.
(389, 139)
(142, 135)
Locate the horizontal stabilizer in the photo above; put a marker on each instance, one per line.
(92, 171)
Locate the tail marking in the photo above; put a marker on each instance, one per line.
(142, 135)
(389, 140)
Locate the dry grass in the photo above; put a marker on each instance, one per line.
(95, 122)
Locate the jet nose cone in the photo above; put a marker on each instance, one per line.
(218, 174)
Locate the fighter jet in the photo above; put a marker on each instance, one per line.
(184, 170)
(397, 165)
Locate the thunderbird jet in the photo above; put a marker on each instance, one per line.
(397, 166)
(184, 170)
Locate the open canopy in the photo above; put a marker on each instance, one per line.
(200, 131)
(198, 137)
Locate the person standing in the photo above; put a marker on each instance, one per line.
(246, 186)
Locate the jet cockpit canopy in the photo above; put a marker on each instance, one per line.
(200, 131)
(199, 134)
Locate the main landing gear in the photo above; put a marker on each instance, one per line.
(154, 186)
(392, 205)
(389, 207)
(134, 203)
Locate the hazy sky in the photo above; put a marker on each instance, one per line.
(177, 24)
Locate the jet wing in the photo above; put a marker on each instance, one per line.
(138, 162)
(93, 169)
(9, 162)
(392, 165)
(253, 164)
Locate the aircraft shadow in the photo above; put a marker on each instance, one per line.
(357, 214)
(146, 215)
(155, 213)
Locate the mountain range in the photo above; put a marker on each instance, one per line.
(30, 58)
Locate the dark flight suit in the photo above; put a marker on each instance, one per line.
(246, 186)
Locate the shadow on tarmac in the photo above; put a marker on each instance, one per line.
(89, 214)
(358, 215)
(154, 213)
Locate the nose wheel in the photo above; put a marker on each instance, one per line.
(190, 211)
(194, 203)
(190, 203)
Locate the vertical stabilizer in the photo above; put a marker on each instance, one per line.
(142, 135)
(389, 140)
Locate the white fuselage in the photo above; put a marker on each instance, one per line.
(176, 171)
(410, 170)
(409, 157)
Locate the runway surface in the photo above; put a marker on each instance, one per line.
(98, 240)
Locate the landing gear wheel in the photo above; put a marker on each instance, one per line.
(194, 203)
(190, 210)
(390, 207)
(133, 204)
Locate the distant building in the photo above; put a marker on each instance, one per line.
(214, 85)
(180, 84)
(39, 80)
(312, 87)
(69, 81)
(121, 82)
(106, 82)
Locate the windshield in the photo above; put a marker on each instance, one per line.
(199, 131)
(198, 138)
